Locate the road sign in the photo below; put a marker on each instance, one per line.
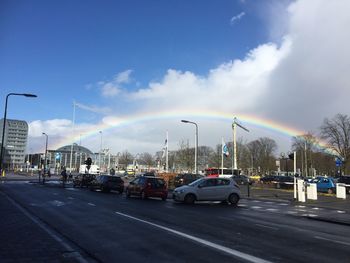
(338, 162)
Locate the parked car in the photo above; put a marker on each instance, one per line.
(208, 189)
(82, 180)
(106, 183)
(148, 186)
(345, 180)
(325, 184)
(183, 179)
(241, 179)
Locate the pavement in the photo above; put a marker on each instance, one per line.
(19, 227)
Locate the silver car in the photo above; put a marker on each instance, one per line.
(208, 189)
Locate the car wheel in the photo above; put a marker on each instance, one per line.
(190, 198)
(330, 191)
(233, 199)
(143, 195)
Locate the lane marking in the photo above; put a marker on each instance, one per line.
(270, 203)
(282, 204)
(265, 226)
(332, 240)
(256, 201)
(341, 211)
(227, 250)
(256, 207)
(70, 198)
(91, 204)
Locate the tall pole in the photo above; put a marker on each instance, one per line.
(4, 125)
(167, 153)
(222, 155)
(99, 156)
(295, 171)
(234, 126)
(45, 156)
(234, 146)
(196, 147)
(71, 148)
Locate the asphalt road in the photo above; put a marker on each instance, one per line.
(112, 228)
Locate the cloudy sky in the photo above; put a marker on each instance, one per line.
(136, 68)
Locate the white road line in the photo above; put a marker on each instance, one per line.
(70, 198)
(256, 201)
(332, 240)
(269, 203)
(282, 204)
(270, 227)
(256, 207)
(227, 250)
(91, 204)
(341, 211)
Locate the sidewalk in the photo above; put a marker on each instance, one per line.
(23, 240)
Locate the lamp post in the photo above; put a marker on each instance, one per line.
(45, 161)
(99, 156)
(4, 123)
(196, 148)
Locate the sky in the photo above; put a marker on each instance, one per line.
(134, 69)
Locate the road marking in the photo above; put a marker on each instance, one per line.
(227, 250)
(292, 212)
(332, 240)
(270, 227)
(282, 204)
(57, 203)
(341, 211)
(301, 206)
(316, 208)
(270, 203)
(91, 204)
(256, 207)
(256, 201)
(70, 198)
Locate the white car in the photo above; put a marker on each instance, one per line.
(208, 189)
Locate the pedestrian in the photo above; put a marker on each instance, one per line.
(64, 175)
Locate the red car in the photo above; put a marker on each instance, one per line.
(147, 186)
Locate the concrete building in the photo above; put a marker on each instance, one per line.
(15, 143)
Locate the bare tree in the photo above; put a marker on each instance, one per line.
(305, 146)
(125, 159)
(147, 159)
(262, 154)
(337, 134)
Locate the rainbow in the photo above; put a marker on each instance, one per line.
(111, 123)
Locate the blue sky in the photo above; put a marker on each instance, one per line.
(119, 58)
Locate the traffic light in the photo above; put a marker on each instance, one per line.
(291, 156)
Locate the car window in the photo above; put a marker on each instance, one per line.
(208, 183)
(222, 182)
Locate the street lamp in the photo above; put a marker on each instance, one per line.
(45, 162)
(196, 148)
(99, 156)
(4, 123)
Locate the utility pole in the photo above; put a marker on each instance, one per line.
(234, 125)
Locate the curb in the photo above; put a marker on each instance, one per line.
(328, 220)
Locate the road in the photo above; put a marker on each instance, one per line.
(112, 228)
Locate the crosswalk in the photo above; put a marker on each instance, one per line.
(289, 208)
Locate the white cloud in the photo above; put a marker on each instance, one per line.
(236, 18)
(113, 88)
(123, 77)
(93, 108)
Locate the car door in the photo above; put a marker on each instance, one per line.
(206, 190)
(132, 185)
(222, 189)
